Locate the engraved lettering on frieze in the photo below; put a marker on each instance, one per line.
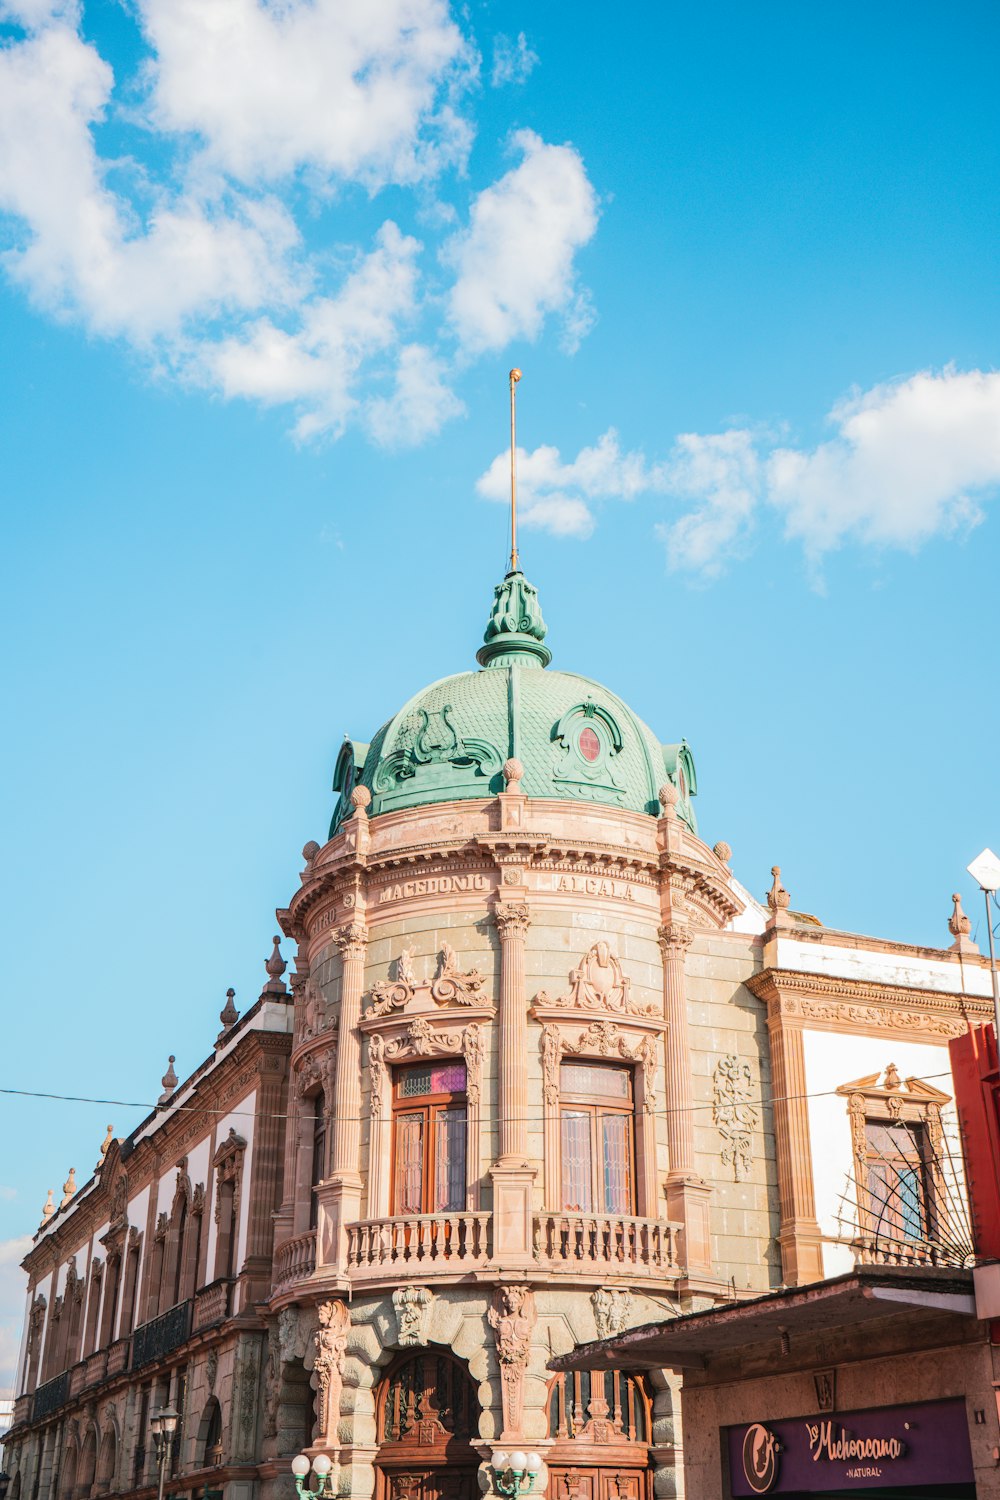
(594, 885)
(599, 983)
(612, 1310)
(432, 885)
(734, 1113)
(412, 1305)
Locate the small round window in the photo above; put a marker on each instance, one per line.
(590, 745)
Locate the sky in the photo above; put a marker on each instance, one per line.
(264, 270)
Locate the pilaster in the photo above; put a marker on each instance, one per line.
(340, 1196)
(799, 1237)
(513, 1175)
(688, 1195)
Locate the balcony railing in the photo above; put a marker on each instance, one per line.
(211, 1304)
(433, 1244)
(606, 1243)
(160, 1335)
(50, 1395)
(883, 1251)
(295, 1259)
(22, 1409)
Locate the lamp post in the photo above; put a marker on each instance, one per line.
(163, 1425)
(4, 1485)
(985, 869)
(321, 1466)
(523, 1469)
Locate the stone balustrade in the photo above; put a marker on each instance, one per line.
(295, 1259)
(608, 1244)
(443, 1245)
(885, 1251)
(95, 1367)
(117, 1357)
(211, 1304)
(77, 1378)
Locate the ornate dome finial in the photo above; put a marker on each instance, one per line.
(169, 1080)
(515, 630)
(275, 967)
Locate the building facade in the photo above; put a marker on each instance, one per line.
(546, 1072)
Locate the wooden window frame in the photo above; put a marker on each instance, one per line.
(428, 1105)
(597, 1107)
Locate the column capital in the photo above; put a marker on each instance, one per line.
(674, 938)
(512, 918)
(352, 940)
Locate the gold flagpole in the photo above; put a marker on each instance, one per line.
(515, 376)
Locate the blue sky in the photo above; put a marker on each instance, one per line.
(257, 319)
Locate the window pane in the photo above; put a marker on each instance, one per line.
(599, 1081)
(428, 1078)
(617, 1175)
(577, 1175)
(409, 1195)
(449, 1169)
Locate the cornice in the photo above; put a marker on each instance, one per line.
(838, 1004)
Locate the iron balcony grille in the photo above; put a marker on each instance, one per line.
(50, 1395)
(161, 1335)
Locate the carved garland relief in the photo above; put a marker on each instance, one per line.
(598, 983)
(734, 1113)
(450, 986)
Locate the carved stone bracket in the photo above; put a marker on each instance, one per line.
(328, 1369)
(598, 983)
(734, 1113)
(512, 1317)
(412, 1306)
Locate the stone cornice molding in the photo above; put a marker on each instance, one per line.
(827, 1002)
(703, 885)
(512, 919)
(571, 1021)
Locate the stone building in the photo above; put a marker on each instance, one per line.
(552, 1073)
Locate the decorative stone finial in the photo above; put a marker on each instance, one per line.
(360, 800)
(722, 851)
(515, 630)
(778, 898)
(513, 773)
(309, 852)
(69, 1187)
(892, 1079)
(49, 1208)
(275, 967)
(106, 1143)
(229, 1015)
(169, 1080)
(960, 926)
(669, 797)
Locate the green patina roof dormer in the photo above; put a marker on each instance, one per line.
(576, 740)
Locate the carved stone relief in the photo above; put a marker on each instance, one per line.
(598, 983)
(734, 1113)
(512, 1317)
(412, 1305)
(450, 986)
(612, 1310)
(328, 1368)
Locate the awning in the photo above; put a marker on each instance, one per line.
(689, 1341)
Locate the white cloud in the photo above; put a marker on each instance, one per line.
(553, 496)
(202, 248)
(720, 473)
(515, 262)
(360, 89)
(513, 61)
(13, 1287)
(420, 404)
(83, 252)
(909, 460)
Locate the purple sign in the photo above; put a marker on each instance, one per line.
(867, 1450)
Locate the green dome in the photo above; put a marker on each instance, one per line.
(575, 739)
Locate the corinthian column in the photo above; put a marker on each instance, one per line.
(340, 1195)
(687, 1194)
(511, 1173)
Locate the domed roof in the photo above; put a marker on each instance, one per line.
(575, 739)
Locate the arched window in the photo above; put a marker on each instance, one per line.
(210, 1436)
(107, 1461)
(428, 1418)
(88, 1464)
(67, 1476)
(600, 1424)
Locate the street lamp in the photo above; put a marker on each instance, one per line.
(163, 1425)
(321, 1466)
(985, 868)
(4, 1485)
(523, 1469)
